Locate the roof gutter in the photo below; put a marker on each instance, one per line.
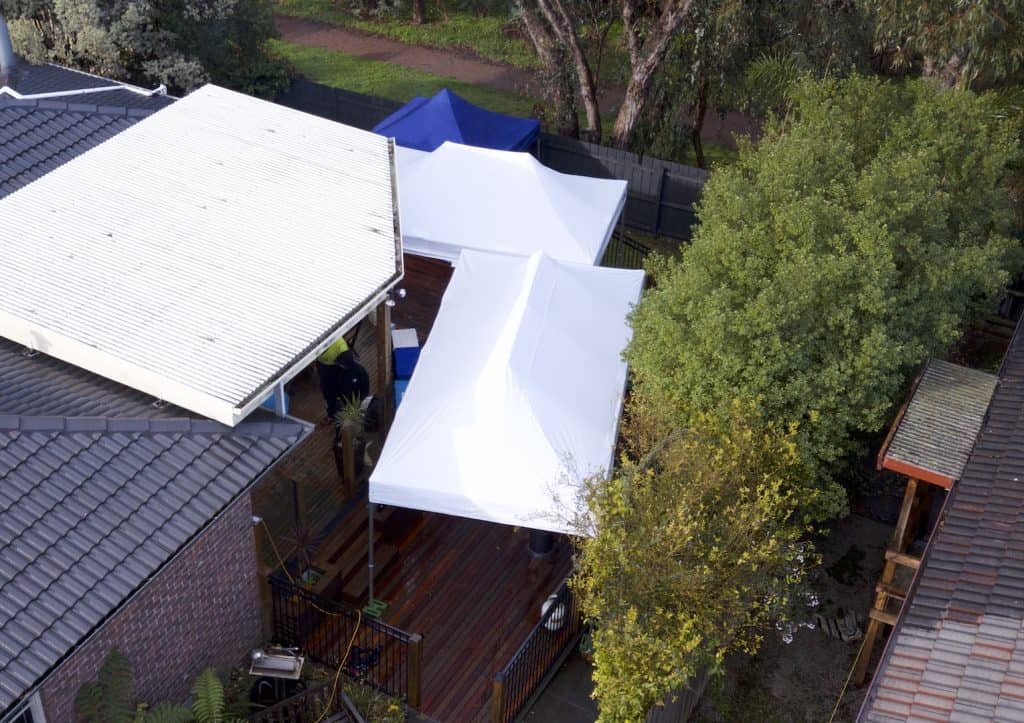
(7, 90)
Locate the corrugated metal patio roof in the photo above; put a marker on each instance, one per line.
(204, 254)
(934, 436)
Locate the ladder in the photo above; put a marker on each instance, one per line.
(886, 590)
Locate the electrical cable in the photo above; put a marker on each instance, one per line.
(849, 675)
(351, 640)
(337, 675)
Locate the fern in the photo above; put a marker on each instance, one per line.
(109, 699)
(169, 713)
(208, 698)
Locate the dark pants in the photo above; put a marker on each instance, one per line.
(328, 374)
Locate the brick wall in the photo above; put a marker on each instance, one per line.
(201, 610)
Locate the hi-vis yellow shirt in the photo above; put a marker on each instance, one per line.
(332, 352)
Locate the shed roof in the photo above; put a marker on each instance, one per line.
(957, 652)
(98, 490)
(228, 240)
(933, 437)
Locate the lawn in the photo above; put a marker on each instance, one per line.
(491, 37)
(375, 77)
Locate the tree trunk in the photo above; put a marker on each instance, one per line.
(700, 109)
(637, 91)
(644, 59)
(563, 27)
(417, 12)
(555, 75)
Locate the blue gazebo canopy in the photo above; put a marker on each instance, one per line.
(426, 123)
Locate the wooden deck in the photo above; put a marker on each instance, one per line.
(469, 588)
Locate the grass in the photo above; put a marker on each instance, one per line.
(490, 37)
(375, 77)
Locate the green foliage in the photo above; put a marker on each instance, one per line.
(208, 698)
(166, 713)
(182, 43)
(110, 698)
(861, 236)
(697, 552)
(966, 42)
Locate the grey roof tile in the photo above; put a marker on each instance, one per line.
(88, 516)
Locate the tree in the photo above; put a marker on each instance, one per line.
(697, 552)
(647, 29)
(719, 63)
(961, 42)
(181, 43)
(555, 76)
(861, 236)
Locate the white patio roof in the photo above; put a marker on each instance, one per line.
(205, 254)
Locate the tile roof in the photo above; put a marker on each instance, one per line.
(29, 79)
(942, 420)
(38, 135)
(98, 490)
(958, 649)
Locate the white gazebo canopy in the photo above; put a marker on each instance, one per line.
(206, 254)
(517, 394)
(463, 197)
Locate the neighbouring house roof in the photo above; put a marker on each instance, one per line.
(59, 83)
(228, 241)
(933, 436)
(958, 649)
(99, 489)
(37, 136)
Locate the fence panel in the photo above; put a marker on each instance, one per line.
(381, 656)
(558, 630)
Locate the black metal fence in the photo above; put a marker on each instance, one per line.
(661, 196)
(312, 704)
(381, 656)
(624, 253)
(538, 657)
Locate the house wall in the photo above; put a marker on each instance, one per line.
(200, 610)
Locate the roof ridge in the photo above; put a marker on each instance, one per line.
(278, 427)
(69, 107)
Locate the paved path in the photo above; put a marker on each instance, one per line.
(468, 68)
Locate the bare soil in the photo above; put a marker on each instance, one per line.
(802, 681)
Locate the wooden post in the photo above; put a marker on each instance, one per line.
(384, 374)
(415, 667)
(263, 583)
(897, 545)
(498, 699)
(348, 460)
